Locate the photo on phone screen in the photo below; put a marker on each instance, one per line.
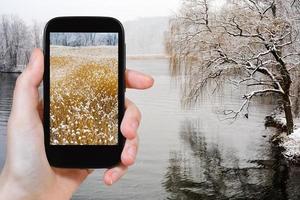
(83, 88)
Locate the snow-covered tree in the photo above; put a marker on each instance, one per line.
(37, 34)
(15, 41)
(257, 41)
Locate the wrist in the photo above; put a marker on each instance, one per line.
(13, 187)
(9, 190)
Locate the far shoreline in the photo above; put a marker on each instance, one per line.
(147, 56)
(10, 72)
(128, 57)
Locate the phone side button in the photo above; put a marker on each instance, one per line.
(124, 67)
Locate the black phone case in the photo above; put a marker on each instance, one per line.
(84, 156)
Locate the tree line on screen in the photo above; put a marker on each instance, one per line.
(248, 43)
(83, 39)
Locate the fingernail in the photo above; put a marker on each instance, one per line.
(150, 78)
(135, 125)
(131, 151)
(113, 177)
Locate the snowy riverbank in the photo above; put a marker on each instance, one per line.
(6, 69)
(291, 143)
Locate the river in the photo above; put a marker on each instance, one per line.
(189, 153)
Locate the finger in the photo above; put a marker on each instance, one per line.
(114, 174)
(129, 153)
(26, 95)
(138, 80)
(131, 120)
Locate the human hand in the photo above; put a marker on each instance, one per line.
(27, 173)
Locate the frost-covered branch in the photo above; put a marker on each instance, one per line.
(233, 114)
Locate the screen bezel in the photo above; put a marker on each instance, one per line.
(83, 156)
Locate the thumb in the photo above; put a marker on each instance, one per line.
(25, 112)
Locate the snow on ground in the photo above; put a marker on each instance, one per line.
(291, 143)
(280, 118)
(91, 52)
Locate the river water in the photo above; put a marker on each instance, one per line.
(189, 153)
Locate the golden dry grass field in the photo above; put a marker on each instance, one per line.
(83, 95)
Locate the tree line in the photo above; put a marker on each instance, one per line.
(84, 39)
(17, 40)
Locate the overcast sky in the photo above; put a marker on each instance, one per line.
(42, 10)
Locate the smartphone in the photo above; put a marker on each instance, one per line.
(83, 87)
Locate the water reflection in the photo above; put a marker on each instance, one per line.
(7, 82)
(200, 171)
(209, 159)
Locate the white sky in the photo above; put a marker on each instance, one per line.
(43, 10)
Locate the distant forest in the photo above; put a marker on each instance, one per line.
(83, 39)
(18, 38)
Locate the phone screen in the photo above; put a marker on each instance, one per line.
(83, 88)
